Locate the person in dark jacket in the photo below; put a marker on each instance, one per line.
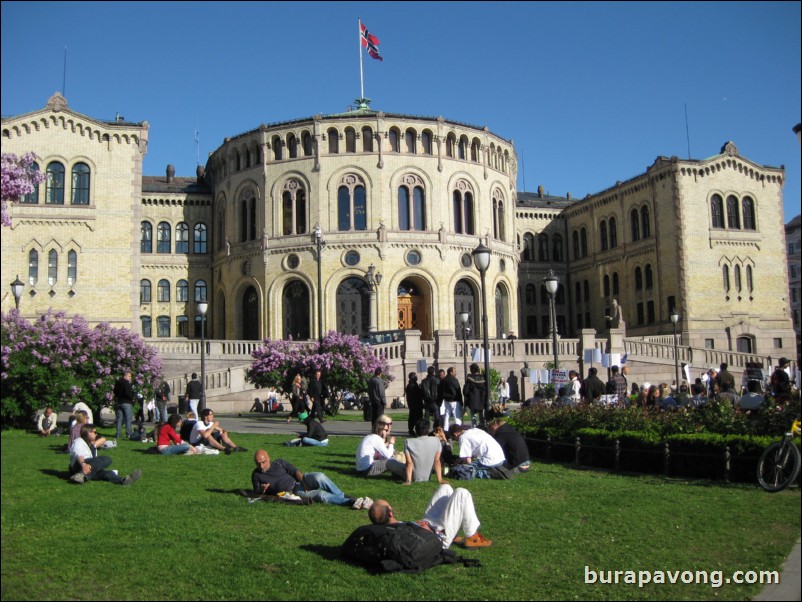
(376, 395)
(516, 452)
(315, 434)
(592, 388)
(451, 398)
(430, 389)
(414, 395)
(124, 404)
(318, 392)
(474, 395)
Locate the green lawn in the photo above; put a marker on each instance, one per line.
(180, 533)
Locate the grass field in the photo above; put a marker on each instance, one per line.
(182, 534)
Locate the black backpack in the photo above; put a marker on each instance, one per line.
(404, 547)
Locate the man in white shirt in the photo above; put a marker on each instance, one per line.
(477, 448)
(208, 432)
(375, 452)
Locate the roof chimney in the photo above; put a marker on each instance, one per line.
(568, 195)
(170, 173)
(540, 191)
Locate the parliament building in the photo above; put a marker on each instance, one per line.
(366, 220)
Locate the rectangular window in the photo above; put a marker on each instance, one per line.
(710, 344)
(778, 343)
(640, 314)
(650, 312)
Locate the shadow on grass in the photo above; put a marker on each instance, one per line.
(61, 474)
(325, 552)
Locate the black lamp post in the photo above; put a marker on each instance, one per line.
(203, 307)
(481, 259)
(674, 320)
(16, 289)
(552, 283)
(319, 240)
(464, 317)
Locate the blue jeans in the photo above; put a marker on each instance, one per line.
(124, 410)
(98, 464)
(171, 450)
(320, 488)
(315, 442)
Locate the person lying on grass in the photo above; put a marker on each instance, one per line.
(86, 465)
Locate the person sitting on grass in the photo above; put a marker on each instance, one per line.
(375, 453)
(81, 418)
(209, 433)
(86, 465)
(46, 423)
(449, 510)
(168, 442)
(279, 476)
(423, 455)
(315, 434)
(512, 444)
(478, 449)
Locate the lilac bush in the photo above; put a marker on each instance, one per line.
(347, 365)
(56, 360)
(18, 179)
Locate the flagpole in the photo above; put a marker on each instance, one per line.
(361, 73)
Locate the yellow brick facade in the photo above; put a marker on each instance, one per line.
(412, 197)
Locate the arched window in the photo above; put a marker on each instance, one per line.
(306, 142)
(163, 326)
(463, 209)
(583, 237)
(33, 197)
(717, 211)
(738, 278)
(748, 206)
(352, 204)
(334, 141)
(200, 290)
(182, 291)
(182, 238)
(749, 281)
(144, 291)
(247, 216)
(646, 229)
(72, 268)
(542, 247)
(426, 142)
(451, 145)
(575, 238)
(163, 291)
(163, 242)
(199, 239)
(638, 279)
(475, 150)
(54, 179)
(634, 222)
(292, 146)
(733, 214)
(275, 143)
(499, 230)
(411, 204)
(409, 140)
(649, 276)
(726, 276)
(557, 247)
(367, 140)
(603, 234)
(147, 326)
(616, 290)
(529, 247)
(146, 237)
(393, 139)
(606, 285)
(462, 150)
(613, 233)
(33, 267)
(293, 207)
(350, 140)
(52, 267)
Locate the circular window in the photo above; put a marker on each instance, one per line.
(502, 265)
(413, 258)
(293, 261)
(352, 258)
(466, 260)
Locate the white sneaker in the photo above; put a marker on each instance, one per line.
(357, 505)
(288, 496)
(79, 478)
(367, 503)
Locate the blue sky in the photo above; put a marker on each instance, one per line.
(591, 93)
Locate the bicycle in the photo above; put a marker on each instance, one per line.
(780, 462)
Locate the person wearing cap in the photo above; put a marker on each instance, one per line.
(375, 453)
(781, 382)
(315, 434)
(272, 477)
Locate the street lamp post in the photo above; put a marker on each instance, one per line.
(464, 317)
(674, 320)
(552, 283)
(481, 259)
(16, 289)
(319, 240)
(203, 306)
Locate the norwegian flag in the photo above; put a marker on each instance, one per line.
(370, 42)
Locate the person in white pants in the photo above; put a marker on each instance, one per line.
(448, 511)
